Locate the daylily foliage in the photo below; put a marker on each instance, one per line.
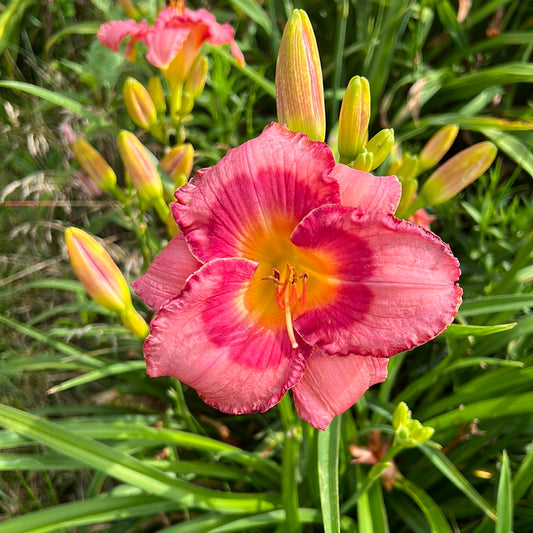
(291, 272)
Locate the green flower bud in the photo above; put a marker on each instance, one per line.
(155, 88)
(380, 146)
(354, 118)
(408, 432)
(364, 161)
(195, 82)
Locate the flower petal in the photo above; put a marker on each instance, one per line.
(206, 337)
(393, 283)
(259, 190)
(204, 26)
(164, 43)
(331, 385)
(361, 189)
(113, 33)
(166, 274)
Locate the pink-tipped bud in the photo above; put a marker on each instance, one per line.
(380, 146)
(102, 278)
(299, 85)
(437, 146)
(354, 118)
(139, 104)
(140, 167)
(458, 172)
(96, 270)
(94, 165)
(177, 163)
(155, 88)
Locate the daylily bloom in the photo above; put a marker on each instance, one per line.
(291, 272)
(174, 41)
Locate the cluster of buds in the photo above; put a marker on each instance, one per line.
(408, 433)
(147, 107)
(102, 279)
(300, 105)
(354, 147)
(300, 99)
(141, 170)
(448, 179)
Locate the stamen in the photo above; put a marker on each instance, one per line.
(178, 5)
(288, 321)
(287, 294)
(303, 296)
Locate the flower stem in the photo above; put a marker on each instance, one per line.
(289, 486)
(182, 410)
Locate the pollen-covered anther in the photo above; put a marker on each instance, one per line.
(178, 5)
(289, 295)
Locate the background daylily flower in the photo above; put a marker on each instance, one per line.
(174, 40)
(291, 272)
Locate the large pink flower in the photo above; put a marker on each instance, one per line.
(174, 40)
(291, 272)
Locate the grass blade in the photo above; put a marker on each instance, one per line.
(459, 330)
(444, 464)
(56, 98)
(105, 508)
(129, 469)
(328, 475)
(431, 510)
(504, 504)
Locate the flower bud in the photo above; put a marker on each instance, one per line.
(195, 82)
(177, 163)
(96, 270)
(458, 172)
(299, 85)
(364, 161)
(155, 88)
(437, 146)
(140, 167)
(408, 432)
(102, 279)
(354, 118)
(409, 187)
(380, 146)
(408, 168)
(94, 165)
(139, 104)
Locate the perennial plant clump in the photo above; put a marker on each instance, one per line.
(294, 271)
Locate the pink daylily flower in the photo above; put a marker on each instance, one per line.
(174, 40)
(291, 272)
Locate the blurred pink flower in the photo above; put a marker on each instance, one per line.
(174, 40)
(422, 218)
(291, 272)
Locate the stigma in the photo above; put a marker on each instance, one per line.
(290, 293)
